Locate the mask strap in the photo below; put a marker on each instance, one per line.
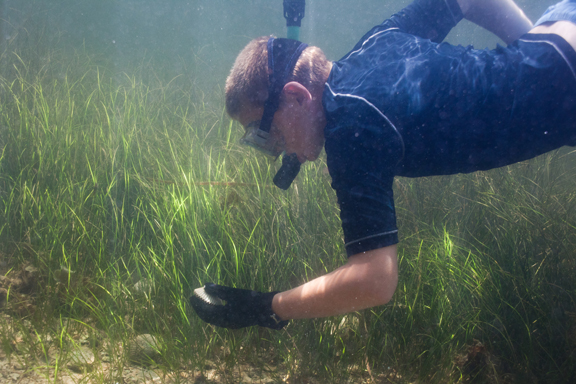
(281, 63)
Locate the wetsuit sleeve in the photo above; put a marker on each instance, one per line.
(429, 19)
(362, 176)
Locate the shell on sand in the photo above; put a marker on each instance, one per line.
(144, 349)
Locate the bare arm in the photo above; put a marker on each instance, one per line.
(501, 17)
(366, 280)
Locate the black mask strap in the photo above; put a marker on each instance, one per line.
(283, 55)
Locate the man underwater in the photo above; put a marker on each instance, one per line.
(402, 103)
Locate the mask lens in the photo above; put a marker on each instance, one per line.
(265, 142)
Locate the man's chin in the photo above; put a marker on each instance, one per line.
(314, 156)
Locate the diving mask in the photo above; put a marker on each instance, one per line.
(263, 141)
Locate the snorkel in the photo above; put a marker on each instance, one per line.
(283, 54)
(294, 12)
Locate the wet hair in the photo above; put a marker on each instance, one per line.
(247, 84)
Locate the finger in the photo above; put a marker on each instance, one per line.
(210, 299)
(216, 315)
(207, 312)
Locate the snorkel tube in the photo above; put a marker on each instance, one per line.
(294, 12)
(283, 54)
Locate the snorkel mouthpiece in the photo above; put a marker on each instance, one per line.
(287, 172)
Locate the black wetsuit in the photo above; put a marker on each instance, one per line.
(403, 103)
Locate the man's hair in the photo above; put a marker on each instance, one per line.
(247, 84)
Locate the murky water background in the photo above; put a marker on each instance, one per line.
(112, 170)
(201, 38)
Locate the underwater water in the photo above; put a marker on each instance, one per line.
(123, 187)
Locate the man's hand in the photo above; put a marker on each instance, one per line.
(242, 308)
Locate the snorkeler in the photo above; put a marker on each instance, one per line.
(400, 103)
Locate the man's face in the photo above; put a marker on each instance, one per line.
(296, 126)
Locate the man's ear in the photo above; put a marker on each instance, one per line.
(296, 92)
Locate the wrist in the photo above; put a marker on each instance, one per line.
(268, 316)
(277, 307)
